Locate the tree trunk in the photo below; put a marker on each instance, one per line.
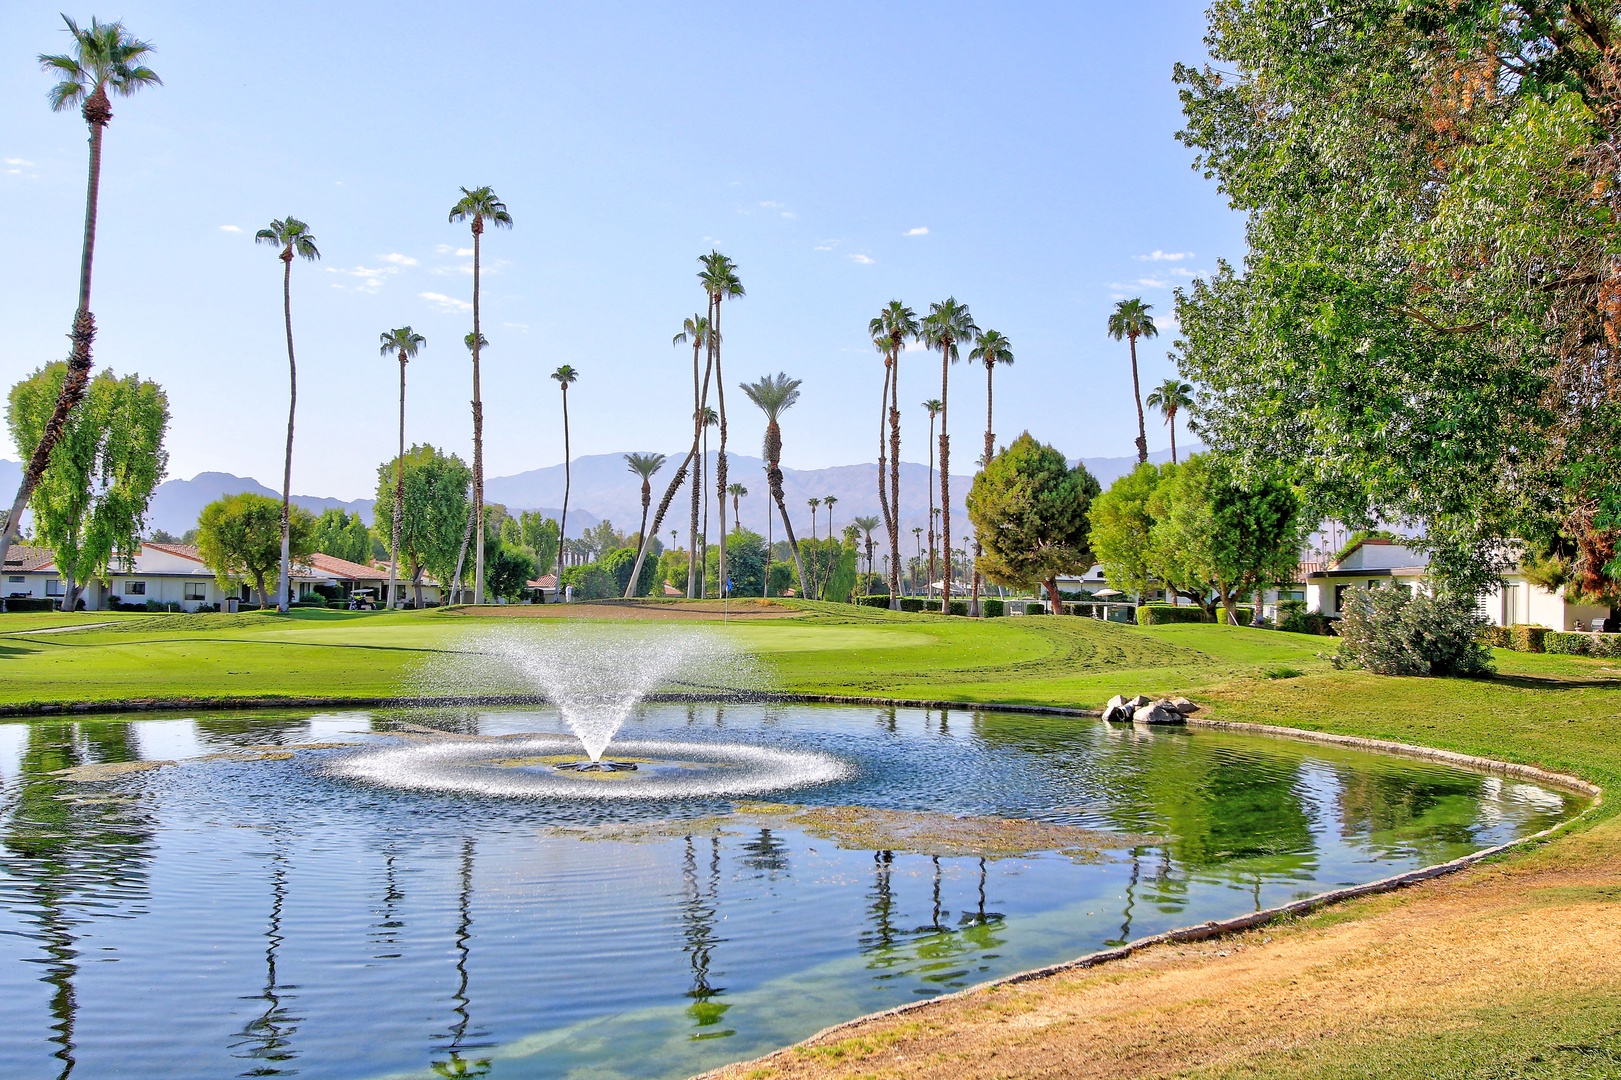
(1173, 436)
(461, 556)
(641, 540)
(928, 585)
(478, 432)
(1051, 585)
(1256, 618)
(990, 446)
(284, 585)
(722, 581)
(945, 481)
(700, 399)
(773, 476)
(96, 113)
(562, 528)
(399, 502)
(658, 519)
(416, 585)
(1137, 399)
(895, 482)
(883, 456)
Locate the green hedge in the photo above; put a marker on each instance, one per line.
(30, 603)
(959, 607)
(1496, 637)
(1160, 614)
(994, 609)
(931, 605)
(1522, 638)
(1573, 644)
(1035, 607)
(911, 603)
(1527, 638)
(1246, 614)
(882, 600)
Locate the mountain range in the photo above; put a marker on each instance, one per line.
(602, 487)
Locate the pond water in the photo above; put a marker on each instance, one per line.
(264, 914)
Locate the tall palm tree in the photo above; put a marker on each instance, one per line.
(737, 492)
(707, 418)
(1131, 320)
(643, 465)
(696, 331)
(993, 348)
(917, 534)
(565, 376)
(816, 581)
(947, 325)
(293, 237)
(776, 394)
(720, 281)
(478, 206)
(895, 325)
(406, 342)
(104, 59)
(867, 523)
(933, 407)
(1169, 397)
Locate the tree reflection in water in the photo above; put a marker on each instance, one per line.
(936, 953)
(268, 1038)
(456, 1065)
(700, 904)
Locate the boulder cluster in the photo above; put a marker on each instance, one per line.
(1146, 710)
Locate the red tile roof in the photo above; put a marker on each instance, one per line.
(185, 551)
(343, 568)
(22, 558)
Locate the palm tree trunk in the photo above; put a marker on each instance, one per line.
(990, 446)
(703, 554)
(721, 579)
(562, 529)
(641, 541)
(928, 584)
(478, 432)
(1173, 436)
(895, 482)
(399, 501)
(884, 504)
(1137, 398)
(292, 408)
(96, 113)
(945, 481)
(658, 519)
(699, 400)
(773, 448)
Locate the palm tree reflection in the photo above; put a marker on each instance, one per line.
(700, 904)
(267, 1038)
(456, 1065)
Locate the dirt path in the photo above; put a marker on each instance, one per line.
(1431, 959)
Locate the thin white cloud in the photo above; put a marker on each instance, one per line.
(862, 260)
(789, 214)
(771, 204)
(24, 162)
(921, 230)
(1164, 256)
(399, 260)
(827, 245)
(466, 253)
(231, 228)
(447, 303)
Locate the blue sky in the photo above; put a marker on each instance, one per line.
(1020, 157)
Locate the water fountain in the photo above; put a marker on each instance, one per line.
(596, 676)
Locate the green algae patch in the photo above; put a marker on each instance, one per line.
(106, 770)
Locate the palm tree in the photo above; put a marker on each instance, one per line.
(1169, 397)
(643, 465)
(895, 325)
(933, 407)
(816, 581)
(293, 237)
(697, 331)
(707, 418)
(917, 534)
(1131, 320)
(720, 281)
(945, 326)
(993, 348)
(478, 206)
(406, 342)
(867, 523)
(775, 394)
(832, 558)
(104, 58)
(736, 491)
(565, 377)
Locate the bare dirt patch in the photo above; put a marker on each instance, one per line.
(1404, 965)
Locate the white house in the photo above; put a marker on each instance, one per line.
(1376, 561)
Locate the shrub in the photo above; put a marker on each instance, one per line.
(1496, 637)
(1527, 638)
(29, 603)
(911, 603)
(1393, 632)
(590, 581)
(1160, 614)
(994, 609)
(1246, 615)
(1307, 622)
(959, 607)
(873, 601)
(1035, 607)
(1607, 646)
(931, 605)
(1568, 644)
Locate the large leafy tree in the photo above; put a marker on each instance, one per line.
(539, 534)
(435, 513)
(1425, 328)
(105, 60)
(1030, 512)
(343, 536)
(776, 394)
(404, 343)
(891, 329)
(1131, 320)
(90, 504)
(293, 237)
(242, 536)
(1121, 528)
(947, 325)
(478, 206)
(720, 281)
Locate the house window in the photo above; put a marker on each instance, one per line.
(134, 588)
(196, 590)
(16, 579)
(1339, 597)
(53, 586)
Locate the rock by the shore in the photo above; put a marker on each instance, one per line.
(1182, 705)
(1142, 709)
(1157, 713)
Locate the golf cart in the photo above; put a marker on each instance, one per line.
(363, 600)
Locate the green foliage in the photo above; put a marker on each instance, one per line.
(1362, 535)
(912, 603)
(539, 534)
(1121, 525)
(507, 570)
(92, 498)
(672, 570)
(590, 581)
(1295, 619)
(240, 536)
(1390, 631)
(1527, 638)
(959, 607)
(343, 536)
(745, 563)
(435, 511)
(1605, 646)
(1029, 509)
(1161, 614)
(782, 575)
(1242, 615)
(993, 608)
(873, 601)
(621, 561)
